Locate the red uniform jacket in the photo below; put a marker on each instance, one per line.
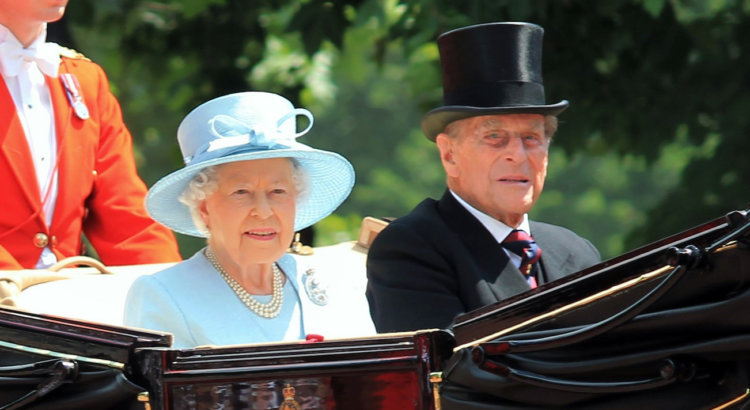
(99, 194)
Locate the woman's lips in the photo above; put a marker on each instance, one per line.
(262, 235)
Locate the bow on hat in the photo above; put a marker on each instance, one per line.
(230, 135)
(14, 57)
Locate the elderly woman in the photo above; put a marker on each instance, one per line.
(247, 187)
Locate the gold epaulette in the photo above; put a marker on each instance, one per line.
(70, 53)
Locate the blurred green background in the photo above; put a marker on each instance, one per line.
(654, 141)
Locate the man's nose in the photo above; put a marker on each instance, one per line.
(514, 149)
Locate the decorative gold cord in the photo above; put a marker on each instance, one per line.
(269, 310)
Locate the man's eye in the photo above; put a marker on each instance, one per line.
(532, 138)
(239, 192)
(279, 191)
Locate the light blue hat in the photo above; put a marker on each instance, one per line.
(246, 126)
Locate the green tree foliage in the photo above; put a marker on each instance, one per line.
(653, 143)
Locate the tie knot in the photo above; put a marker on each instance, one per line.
(518, 235)
(523, 245)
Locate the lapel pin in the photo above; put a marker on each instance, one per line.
(314, 289)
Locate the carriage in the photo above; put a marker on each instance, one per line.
(663, 325)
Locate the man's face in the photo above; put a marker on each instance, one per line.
(26, 18)
(497, 163)
(32, 11)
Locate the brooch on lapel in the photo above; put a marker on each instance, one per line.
(73, 91)
(314, 289)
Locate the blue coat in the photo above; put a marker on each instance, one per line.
(193, 302)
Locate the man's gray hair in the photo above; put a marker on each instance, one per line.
(204, 184)
(550, 127)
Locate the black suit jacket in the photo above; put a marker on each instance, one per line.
(439, 261)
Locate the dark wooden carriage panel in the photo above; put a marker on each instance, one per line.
(383, 372)
(76, 337)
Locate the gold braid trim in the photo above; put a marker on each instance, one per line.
(70, 53)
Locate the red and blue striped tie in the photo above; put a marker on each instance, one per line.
(523, 245)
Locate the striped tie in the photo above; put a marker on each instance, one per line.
(523, 245)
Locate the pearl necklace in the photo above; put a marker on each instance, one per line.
(269, 310)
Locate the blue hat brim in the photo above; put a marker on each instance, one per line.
(330, 178)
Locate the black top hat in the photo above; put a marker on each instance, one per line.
(493, 68)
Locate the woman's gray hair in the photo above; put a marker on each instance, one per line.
(204, 184)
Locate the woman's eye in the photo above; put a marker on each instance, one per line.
(240, 192)
(279, 191)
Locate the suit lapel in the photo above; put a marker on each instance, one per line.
(312, 319)
(510, 282)
(555, 259)
(60, 106)
(15, 148)
(500, 278)
(65, 159)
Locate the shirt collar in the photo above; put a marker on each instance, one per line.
(498, 229)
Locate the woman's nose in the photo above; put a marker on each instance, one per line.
(262, 207)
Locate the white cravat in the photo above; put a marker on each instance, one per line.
(22, 70)
(15, 58)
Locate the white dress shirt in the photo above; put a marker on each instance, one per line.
(31, 97)
(498, 229)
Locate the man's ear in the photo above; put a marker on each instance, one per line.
(446, 147)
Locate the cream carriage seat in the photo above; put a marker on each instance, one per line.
(92, 293)
(97, 293)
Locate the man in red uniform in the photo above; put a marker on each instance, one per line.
(66, 158)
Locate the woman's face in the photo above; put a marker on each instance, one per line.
(250, 216)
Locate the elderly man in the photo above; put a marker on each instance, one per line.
(473, 247)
